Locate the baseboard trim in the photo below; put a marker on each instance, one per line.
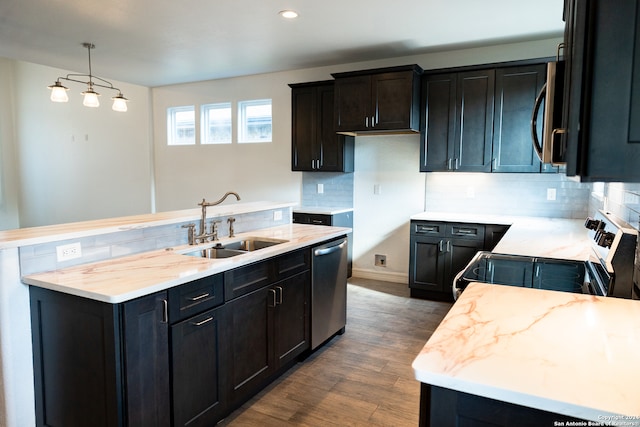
(379, 275)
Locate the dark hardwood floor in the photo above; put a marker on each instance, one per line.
(361, 378)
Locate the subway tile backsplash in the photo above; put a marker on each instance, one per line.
(622, 199)
(337, 189)
(507, 194)
(42, 257)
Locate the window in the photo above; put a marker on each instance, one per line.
(254, 121)
(181, 125)
(215, 120)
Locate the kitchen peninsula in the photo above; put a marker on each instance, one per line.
(541, 357)
(544, 355)
(133, 259)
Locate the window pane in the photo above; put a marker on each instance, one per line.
(216, 123)
(181, 126)
(254, 121)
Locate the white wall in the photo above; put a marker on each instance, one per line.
(77, 163)
(8, 174)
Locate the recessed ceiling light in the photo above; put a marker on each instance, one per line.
(289, 14)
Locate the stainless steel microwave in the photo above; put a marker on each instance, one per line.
(546, 134)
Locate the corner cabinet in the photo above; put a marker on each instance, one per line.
(385, 100)
(479, 120)
(601, 108)
(440, 249)
(315, 145)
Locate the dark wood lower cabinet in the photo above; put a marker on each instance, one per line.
(441, 407)
(268, 329)
(182, 357)
(100, 364)
(198, 371)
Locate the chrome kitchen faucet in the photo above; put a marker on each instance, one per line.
(213, 234)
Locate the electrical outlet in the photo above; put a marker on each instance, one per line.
(320, 188)
(551, 193)
(67, 252)
(377, 189)
(381, 260)
(277, 215)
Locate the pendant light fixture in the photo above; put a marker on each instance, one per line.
(59, 92)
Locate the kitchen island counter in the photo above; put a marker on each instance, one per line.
(121, 279)
(564, 353)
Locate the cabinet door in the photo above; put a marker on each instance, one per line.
(392, 101)
(146, 344)
(291, 317)
(303, 128)
(427, 263)
(250, 328)
(196, 367)
(474, 121)
(516, 92)
(352, 103)
(439, 119)
(334, 151)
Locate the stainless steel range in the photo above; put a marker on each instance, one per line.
(609, 272)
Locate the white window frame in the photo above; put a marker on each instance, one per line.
(172, 126)
(205, 112)
(244, 135)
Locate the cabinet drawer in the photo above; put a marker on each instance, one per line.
(466, 231)
(292, 263)
(420, 228)
(196, 296)
(243, 280)
(316, 219)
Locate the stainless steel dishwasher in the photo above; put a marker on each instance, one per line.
(328, 291)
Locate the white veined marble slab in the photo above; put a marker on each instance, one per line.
(571, 354)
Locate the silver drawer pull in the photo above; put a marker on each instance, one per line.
(427, 228)
(199, 297)
(316, 221)
(466, 231)
(202, 322)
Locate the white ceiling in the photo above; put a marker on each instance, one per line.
(159, 42)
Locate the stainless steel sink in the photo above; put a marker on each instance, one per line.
(232, 249)
(252, 244)
(215, 253)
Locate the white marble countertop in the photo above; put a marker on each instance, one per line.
(50, 233)
(122, 279)
(531, 236)
(566, 353)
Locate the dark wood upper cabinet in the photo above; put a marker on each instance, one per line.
(515, 94)
(602, 90)
(315, 145)
(478, 120)
(458, 120)
(385, 100)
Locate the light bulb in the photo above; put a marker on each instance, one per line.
(90, 98)
(58, 92)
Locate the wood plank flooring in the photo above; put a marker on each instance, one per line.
(361, 378)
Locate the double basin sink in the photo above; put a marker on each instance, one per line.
(235, 248)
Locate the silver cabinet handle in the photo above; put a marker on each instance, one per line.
(466, 231)
(165, 311)
(202, 322)
(441, 246)
(448, 245)
(455, 163)
(273, 294)
(279, 293)
(449, 164)
(199, 297)
(366, 122)
(326, 251)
